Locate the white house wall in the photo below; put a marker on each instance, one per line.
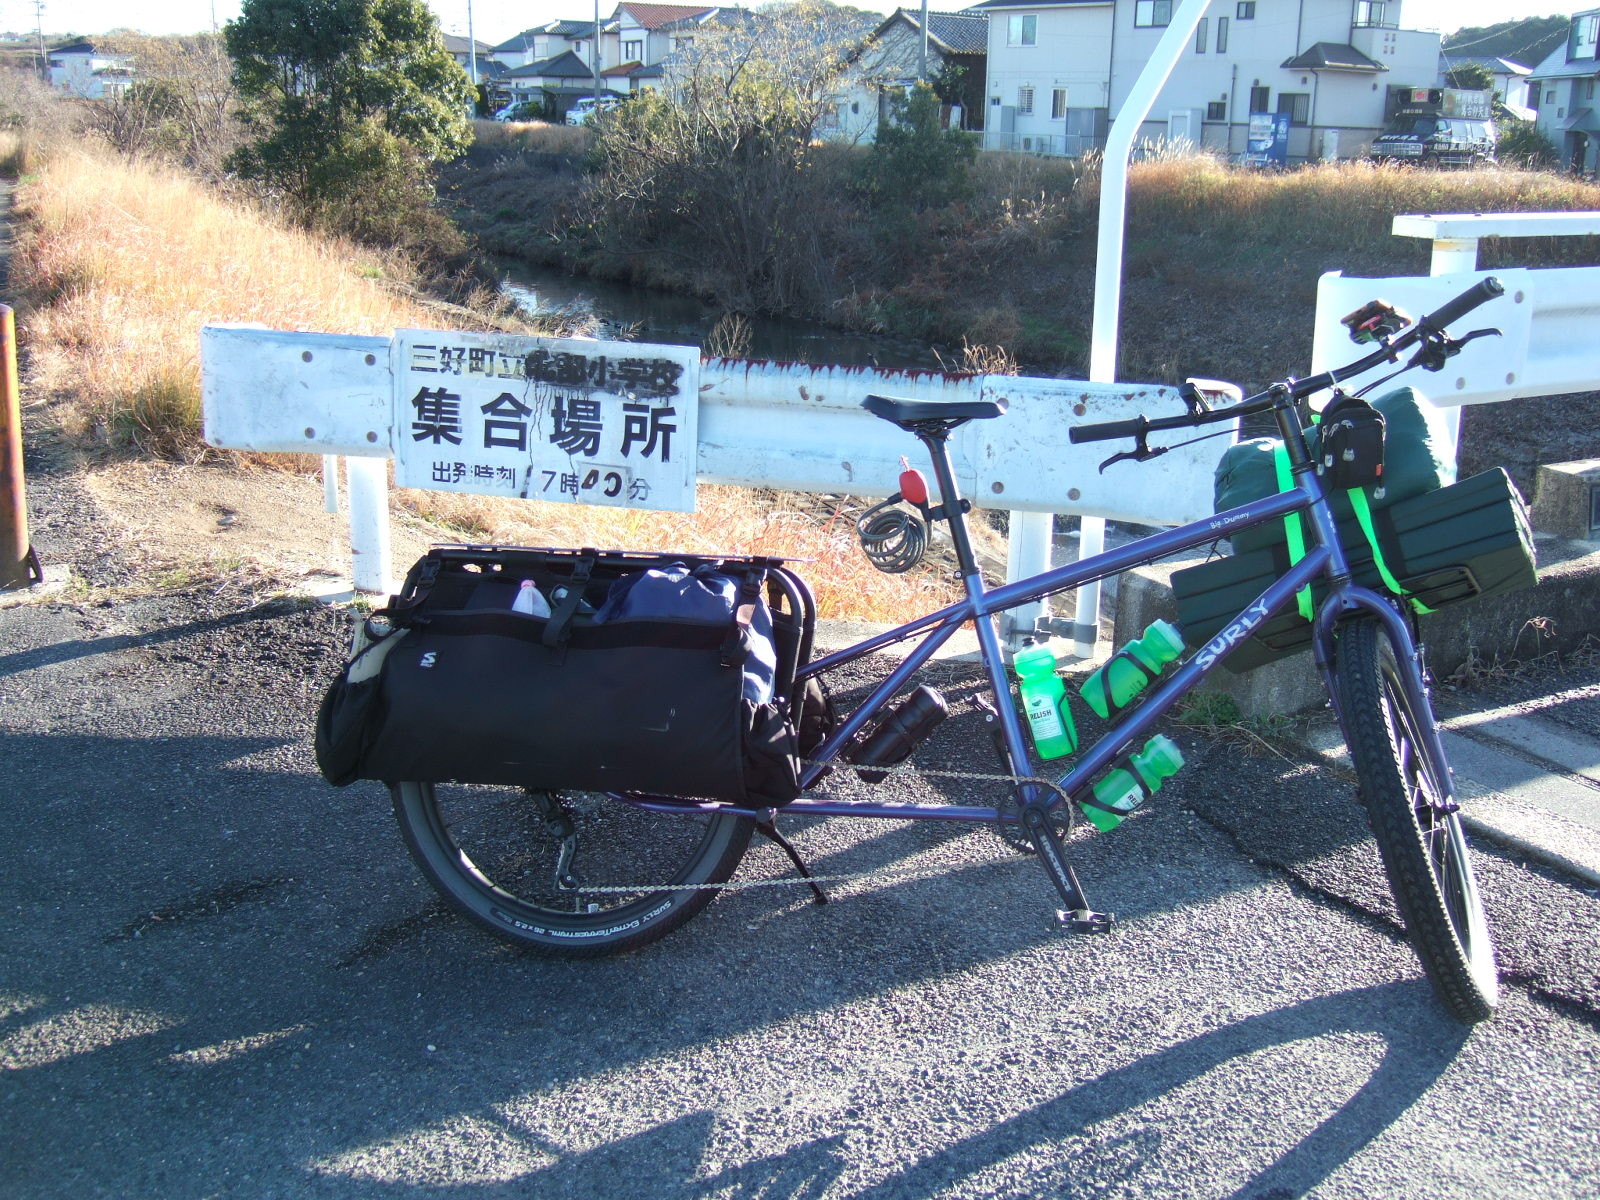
(1072, 51)
(1097, 53)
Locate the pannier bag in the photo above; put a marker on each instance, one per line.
(1470, 539)
(671, 675)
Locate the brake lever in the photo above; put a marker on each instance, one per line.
(1438, 348)
(1140, 453)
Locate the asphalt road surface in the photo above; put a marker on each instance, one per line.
(221, 977)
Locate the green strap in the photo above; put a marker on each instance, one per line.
(1293, 531)
(1358, 501)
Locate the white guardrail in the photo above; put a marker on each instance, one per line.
(800, 427)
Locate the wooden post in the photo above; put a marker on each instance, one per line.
(16, 558)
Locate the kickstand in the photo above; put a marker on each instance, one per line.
(769, 830)
(1076, 916)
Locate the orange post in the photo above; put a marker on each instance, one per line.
(17, 567)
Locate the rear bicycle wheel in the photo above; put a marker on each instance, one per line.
(494, 852)
(1419, 835)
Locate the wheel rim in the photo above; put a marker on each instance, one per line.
(495, 853)
(1441, 833)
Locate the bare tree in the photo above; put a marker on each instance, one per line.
(180, 102)
(719, 169)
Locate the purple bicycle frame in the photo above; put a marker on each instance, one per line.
(982, 603)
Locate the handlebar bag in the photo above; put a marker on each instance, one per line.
(669, 676)
(1419, 456)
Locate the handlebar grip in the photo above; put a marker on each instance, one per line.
(1107, 430)
(1452, 310)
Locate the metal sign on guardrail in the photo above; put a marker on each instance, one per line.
(568, 420)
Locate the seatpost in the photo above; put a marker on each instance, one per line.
(935, 435)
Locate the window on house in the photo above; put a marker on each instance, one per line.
(1151, 13)
(1370, 12)
(1222, 35)
(1550, 96)
(1024, 99)
(1297, 105)
(1058, 104)
(1585, 32)
(1588, 90)
(1246, 10)
(1217, 110)
(1022, 31)
(632, 51)
(1259, 96)
(1200, 32)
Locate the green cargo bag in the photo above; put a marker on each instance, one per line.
(1469, 539)
(1418, 456)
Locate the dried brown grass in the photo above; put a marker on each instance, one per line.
(121, 264)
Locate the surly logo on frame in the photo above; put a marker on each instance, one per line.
(1235, 633)
(428, 659)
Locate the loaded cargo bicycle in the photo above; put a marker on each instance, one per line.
(580, 744)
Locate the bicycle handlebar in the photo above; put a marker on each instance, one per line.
(1432, 325)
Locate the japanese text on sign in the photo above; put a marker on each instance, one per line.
(551, 419)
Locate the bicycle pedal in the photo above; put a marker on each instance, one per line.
(1082, 920)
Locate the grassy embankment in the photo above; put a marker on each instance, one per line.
(118, 265)
(1221, 263)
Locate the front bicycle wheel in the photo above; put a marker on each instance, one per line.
(1418, 831)
(627, 877)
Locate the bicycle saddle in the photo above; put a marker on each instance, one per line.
(905, 413)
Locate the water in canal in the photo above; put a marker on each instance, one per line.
(666, 318)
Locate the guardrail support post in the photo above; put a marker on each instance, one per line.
(1451, 255)
(1029, 545)
(330, 483)
(18, 567)
(369, 524)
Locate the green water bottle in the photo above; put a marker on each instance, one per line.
(1130, 668)
(1044, 701)
(1120, 791)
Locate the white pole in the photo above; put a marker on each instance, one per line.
(1449, 256)
(1108, 261)
(369, 524)
(330, 483)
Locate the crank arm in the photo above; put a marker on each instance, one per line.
(1077, 916)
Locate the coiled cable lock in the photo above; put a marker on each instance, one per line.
(893, 539)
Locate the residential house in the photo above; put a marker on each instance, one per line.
(556, 82)
(890, 61)
(547, 41)
(646, 34)
(1563, 87)
(91, 73)
(1060, 70)
(1510, 78)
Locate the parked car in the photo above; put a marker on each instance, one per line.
(1439, 127)
(524, 110)
(585, 108)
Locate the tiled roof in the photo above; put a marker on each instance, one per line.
(1031, 4)
(1500, 66)
(1556, 66)
(561, 66)
(570, 29)
(626, 68)
(653, 16)
(1333, 56)
(460, 45)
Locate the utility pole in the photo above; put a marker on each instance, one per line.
(597, 53)
(44, 59)
(922, 69)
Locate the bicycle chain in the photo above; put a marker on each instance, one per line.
(900, 873)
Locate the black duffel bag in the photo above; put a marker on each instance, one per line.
(670, 675)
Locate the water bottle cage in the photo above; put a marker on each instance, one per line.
(1138, 664)
(1124, 761)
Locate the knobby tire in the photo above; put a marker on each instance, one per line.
(1424, 850)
